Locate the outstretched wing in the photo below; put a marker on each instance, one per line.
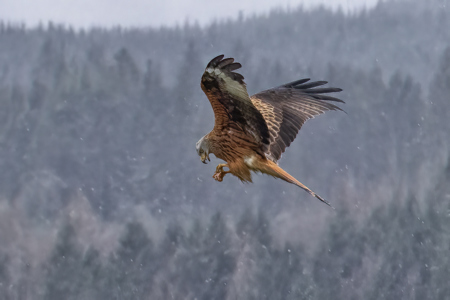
(229, 99)
(286, 108)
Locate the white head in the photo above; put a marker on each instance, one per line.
(202, 147)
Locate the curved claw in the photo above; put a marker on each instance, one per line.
(218, 176)
(220, 173)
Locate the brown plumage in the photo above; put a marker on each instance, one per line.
(251, 133)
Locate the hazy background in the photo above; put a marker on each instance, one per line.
(106, 13)
(102, 194)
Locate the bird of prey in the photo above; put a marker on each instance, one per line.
(251, 133)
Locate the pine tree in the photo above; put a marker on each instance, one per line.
(439, 96)
(128, 75)
(63, 269)
(219, 254)
(5, 278)
(92, 281)
(132, 266)
(207, 261)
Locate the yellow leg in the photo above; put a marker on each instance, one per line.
(220, 167)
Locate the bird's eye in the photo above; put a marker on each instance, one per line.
(201, 151)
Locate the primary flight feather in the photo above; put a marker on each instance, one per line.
(251, 133)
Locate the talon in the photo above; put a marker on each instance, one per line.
(218, 176)
(220, 173)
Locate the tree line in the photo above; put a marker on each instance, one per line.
(399, 252)
(112, 116)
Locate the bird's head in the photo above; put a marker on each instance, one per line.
(202, 147)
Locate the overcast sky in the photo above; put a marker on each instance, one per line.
(85, 13)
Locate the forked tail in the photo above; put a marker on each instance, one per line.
(273, 169)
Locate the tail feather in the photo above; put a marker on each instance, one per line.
(273, 169)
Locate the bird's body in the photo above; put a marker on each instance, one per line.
(251, 133)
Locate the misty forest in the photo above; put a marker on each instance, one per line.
(103, 196)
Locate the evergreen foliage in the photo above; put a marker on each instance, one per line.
(112, 116)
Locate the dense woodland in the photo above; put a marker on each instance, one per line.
(102, 194)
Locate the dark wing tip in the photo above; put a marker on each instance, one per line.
(294, 83)
(214, 62)
(224, 64)
(233, 66)
(227, 61)
(310, 88)
(322, 90)
(228, 65)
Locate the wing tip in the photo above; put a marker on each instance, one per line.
(296, 82)
(214, 62)
(226, 65)
(310, 88)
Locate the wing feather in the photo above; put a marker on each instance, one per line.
(233, 66)
(227, 93)
(286, 108)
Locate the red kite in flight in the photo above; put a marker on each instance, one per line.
(251, 133)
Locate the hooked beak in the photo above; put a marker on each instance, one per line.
(204, 157)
